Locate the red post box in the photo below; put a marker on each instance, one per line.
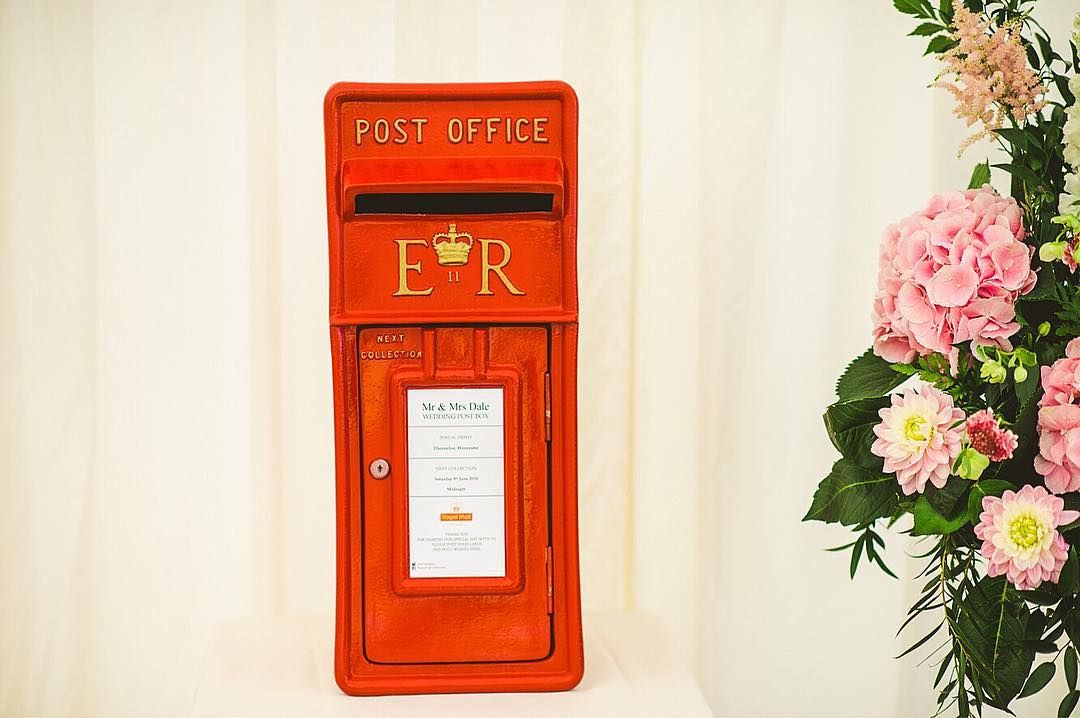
(453, 328)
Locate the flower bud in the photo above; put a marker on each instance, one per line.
(1044, 329)
(993, 372)
(1020, 374)
(1051, 251)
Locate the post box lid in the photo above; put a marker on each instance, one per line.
(452, 202)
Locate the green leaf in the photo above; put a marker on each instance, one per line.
(1042, 646)
(1070, 575)
(1036, 626)
(1045, 287)
(940, 44)
(852, 495)
(915, 646)
(909, 7)
(867, 376)
(1033, 180)
(990, 626)
(971, 463)
(926, 29)
(1032, 55)
(945, 9)
(1070, 667)
(1025, 356)
(979, 176)
(905, 369)
(944, 500)
(850, 426)
(1062, 84)
(1026, 388)
(989, 487)
(1068, 703)
(1016, 137)
(1072, 628)
(1019, 470)
(1044, 47)
(856, 554)
(1042, 675)
(929, 522)
(1041, 597)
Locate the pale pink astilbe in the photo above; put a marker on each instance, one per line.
(988, 74)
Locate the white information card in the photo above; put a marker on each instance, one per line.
(456, 483)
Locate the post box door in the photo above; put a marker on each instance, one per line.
(456, 523)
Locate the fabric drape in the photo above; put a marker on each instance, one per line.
(166, 455)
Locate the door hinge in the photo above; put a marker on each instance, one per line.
(547, 406)
(548, 562)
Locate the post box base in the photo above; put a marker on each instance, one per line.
(369, 679)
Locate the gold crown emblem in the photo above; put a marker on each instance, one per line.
(452, 246)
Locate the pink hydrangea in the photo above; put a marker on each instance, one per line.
(1020, 536)
(1059, 423)
(988, 438)
(950, 274)
(919, 437)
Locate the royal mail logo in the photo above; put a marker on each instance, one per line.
(456, 514)
(452, 248)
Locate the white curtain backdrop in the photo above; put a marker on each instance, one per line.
(166, 456)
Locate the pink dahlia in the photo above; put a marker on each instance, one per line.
(1059, 423)
(919, 437)
(950, 274)
(988, 438)
(1020, 536)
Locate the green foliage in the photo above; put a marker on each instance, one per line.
(1069, 581)
(867, 376)
(1019, 469)
(1038, 679)
(970, 464)
(1045, 287)
(948, 498)
(853, 496)
(1068, 703)
(979, 176)
(991, 626)
(869, 544)
(928, 521)
(1025, 390)
(918, 8)
(1068, 312)
(850, 426)
(982, 489)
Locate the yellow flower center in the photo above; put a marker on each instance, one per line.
(1026, 531)
(917, 428)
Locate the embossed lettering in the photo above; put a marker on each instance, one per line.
(404, 268)
(486, 267)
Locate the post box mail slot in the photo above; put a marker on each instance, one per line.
(453, 325)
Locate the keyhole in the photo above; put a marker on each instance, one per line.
(380, 468)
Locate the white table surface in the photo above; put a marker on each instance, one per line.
(284, 667)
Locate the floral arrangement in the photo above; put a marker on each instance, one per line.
(964, 413)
